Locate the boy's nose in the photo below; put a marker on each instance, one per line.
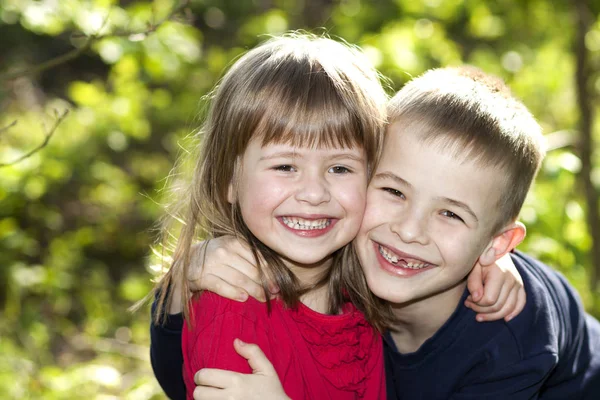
(313, 190)
(411, 229)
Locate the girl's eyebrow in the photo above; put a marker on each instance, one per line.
(295, 154)
(281, 154)
(348, 155)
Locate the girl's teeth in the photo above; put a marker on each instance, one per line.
(305, 224)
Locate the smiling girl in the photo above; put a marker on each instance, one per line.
(293, 131)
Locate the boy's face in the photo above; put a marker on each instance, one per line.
(428, 218)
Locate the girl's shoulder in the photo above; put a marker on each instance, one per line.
(209, 305)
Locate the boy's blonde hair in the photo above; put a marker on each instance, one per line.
(298, 89)
(474, 116)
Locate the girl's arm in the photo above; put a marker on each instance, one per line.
(496, 290)
(262, 384)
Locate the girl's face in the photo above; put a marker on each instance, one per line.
(303, 203)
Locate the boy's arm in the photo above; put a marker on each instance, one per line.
(165, 355)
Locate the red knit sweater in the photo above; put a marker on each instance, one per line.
(316, 356)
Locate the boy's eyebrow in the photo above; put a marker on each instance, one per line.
(459, 204)
(393, 177)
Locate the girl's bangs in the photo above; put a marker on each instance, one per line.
(311, 113)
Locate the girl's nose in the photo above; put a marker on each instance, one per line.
(313, 190)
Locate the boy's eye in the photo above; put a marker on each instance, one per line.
(394, 192)
(338, 169)
(284, 168)
(451, 215)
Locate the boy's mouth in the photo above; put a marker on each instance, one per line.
(402, 260)
(306, 224)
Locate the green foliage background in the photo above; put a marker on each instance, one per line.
(76, 218)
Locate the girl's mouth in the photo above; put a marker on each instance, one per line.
(308, 227)
(306, 224)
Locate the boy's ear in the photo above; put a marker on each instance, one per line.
(508, 238)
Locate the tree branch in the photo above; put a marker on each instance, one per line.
(152, 27)
(49, 135)
(7, 127)
(583, 22)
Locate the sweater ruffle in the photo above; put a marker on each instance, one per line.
(340, 345)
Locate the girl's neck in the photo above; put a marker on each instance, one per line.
(317, 299)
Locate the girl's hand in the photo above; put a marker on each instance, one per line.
(262, 384)
(226, 267)
(496, 290)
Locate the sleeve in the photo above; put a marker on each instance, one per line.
(519, 381)
(209, 342)
(166, 356)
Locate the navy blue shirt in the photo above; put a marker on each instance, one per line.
(549, 351)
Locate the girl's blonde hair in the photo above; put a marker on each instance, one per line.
(297, 89)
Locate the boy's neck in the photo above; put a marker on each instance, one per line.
(421, 319)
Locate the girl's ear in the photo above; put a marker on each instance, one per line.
(231, 189)
(230, 196)
(508, 238)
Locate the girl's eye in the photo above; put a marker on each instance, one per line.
(394, 192)
(284, 168)
(338, 169)
(451, 215)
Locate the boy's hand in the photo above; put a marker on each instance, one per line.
(496, 291)
(226, 267)
(262, 384)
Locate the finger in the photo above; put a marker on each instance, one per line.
(494, 283)
(196, 267)
(505, 308)
(234, 277)
(475, 282)
(216, 257)
(490, 313)
(259, 363)
(232, 245)
(521, 301)
(217, 378)
(219, 286)
(249, 264)
(207, 393)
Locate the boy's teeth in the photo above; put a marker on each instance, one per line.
(306, 224)
(391, 257)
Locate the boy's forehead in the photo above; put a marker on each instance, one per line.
(430, 167)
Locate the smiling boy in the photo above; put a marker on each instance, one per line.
(460, 156)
